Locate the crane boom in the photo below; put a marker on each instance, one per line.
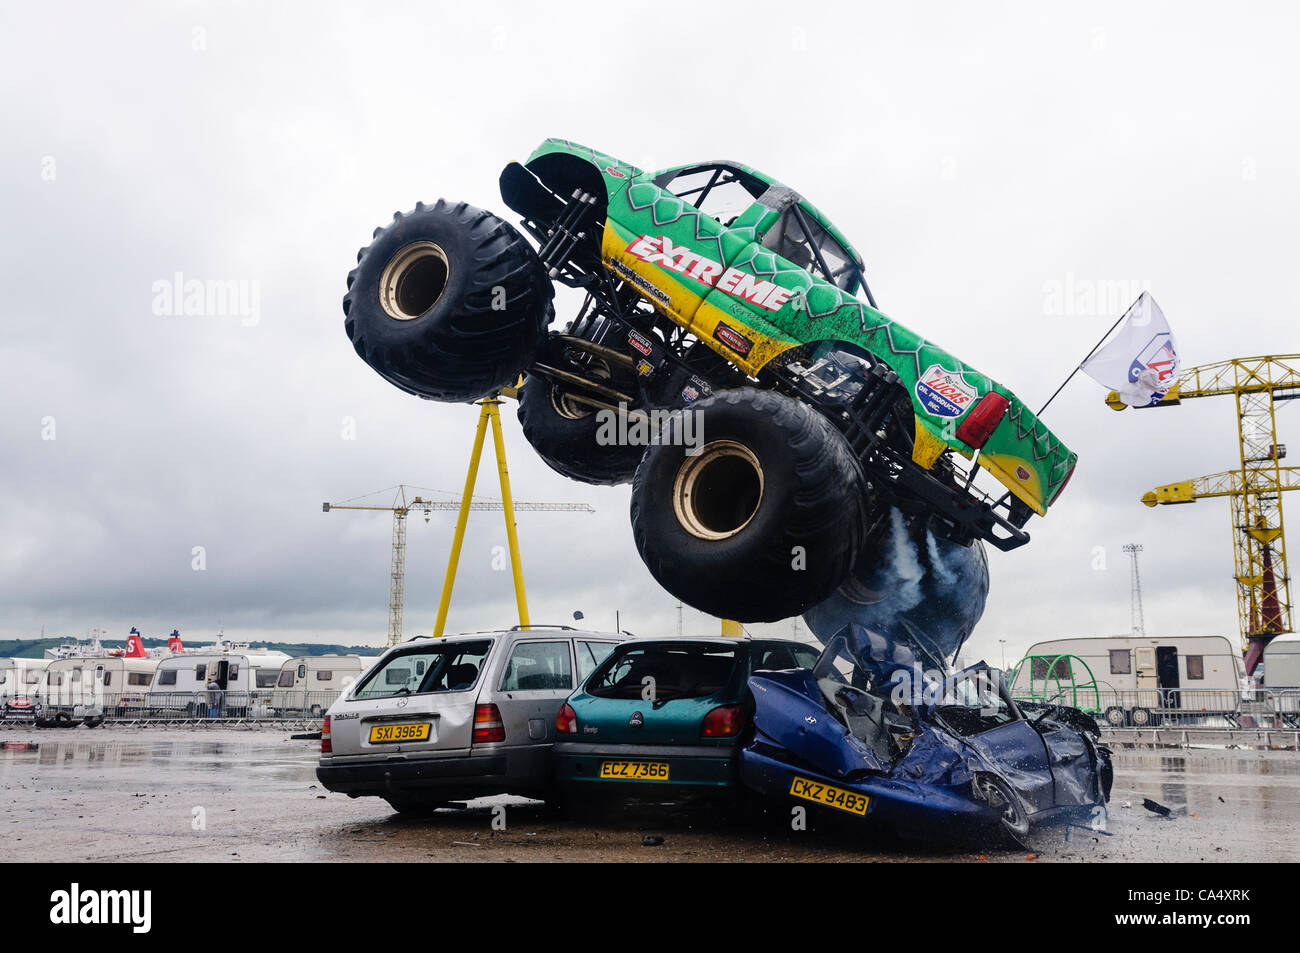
(1254, 489)
(401, 507)
(1228, 483)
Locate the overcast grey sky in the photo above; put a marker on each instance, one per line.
(980, 157)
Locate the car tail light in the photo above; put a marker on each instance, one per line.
(326, 745)
(566, 721)
(983, 419)
(488, 725)
(723, 722)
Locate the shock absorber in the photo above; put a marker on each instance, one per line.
(564, 237)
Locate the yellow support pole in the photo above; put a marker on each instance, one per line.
(462, 519)
(512, 537)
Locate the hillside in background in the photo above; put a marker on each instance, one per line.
(35, 648)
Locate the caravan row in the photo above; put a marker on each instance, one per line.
(236, 682)
(1141, 681)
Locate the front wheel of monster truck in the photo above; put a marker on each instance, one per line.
(750, 507)
(569, 436)
(448, 302)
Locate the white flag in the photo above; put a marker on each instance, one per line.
(1141, 361)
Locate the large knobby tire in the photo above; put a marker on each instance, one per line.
(763, 521)
(449, 302)
(564, 434)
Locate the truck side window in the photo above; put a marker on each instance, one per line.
(1121, 663)
(286, 679)
(1195, 667)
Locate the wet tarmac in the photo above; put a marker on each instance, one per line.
(225, 795)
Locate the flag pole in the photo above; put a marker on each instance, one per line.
(1084, 361)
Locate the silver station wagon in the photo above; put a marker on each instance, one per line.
(464, 716)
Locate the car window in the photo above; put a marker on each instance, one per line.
(167, 677)
(286, 679)
(138, 678)
(591, 654)
(427, 668)
(538, 666)
(665, 671)
(108, 679)
(266, 677)
(778, 656)
(798, 239)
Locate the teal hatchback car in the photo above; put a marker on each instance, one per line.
(665, 717)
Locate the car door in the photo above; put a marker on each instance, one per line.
(536, 677)
(786, 269)
(665, 238)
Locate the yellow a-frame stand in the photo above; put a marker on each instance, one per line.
(488, 412)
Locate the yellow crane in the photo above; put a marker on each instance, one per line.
(402, 506)
(1255, 489)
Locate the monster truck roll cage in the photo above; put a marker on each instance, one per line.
(856, 391)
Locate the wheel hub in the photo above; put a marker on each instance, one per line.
(413, 280)
(718, 491)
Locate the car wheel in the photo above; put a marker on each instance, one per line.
(1114, 717)
(759, 517)
(998, 795)
(565, 434)
(1140, 718)
(449, 302)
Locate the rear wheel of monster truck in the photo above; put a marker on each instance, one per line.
(449, 302)
(763, 520)
(566, 434)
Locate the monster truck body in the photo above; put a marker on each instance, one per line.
(726, 283)
(716, 294)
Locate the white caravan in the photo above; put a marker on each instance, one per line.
(20, 677)
(243, 677)
(89, 687)
(1126, 678)
(310, 683)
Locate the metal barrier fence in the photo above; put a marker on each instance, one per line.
(1185, 707)
(64, 707)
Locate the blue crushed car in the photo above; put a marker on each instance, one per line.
(870, 732)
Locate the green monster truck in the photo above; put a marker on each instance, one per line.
(775, 427)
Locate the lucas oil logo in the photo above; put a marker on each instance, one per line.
(944, 393)
(1157, 360)
(661, 251)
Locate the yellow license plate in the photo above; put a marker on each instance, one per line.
(634, 770)
(829, 795)
(387, 734)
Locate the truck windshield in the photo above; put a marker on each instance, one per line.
(422, 669)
